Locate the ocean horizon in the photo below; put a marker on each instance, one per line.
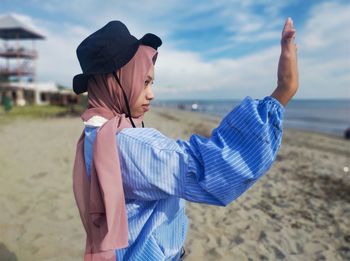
(327, 116)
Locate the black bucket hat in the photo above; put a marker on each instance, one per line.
(107, 50)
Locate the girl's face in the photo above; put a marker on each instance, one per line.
(142, 104)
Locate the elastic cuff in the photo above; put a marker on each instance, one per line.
(276, 109)
(276, 117)
(275, 103)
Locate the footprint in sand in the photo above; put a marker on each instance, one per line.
(23, 210)
(39, 175)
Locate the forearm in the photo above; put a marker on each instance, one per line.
(283, 95)
(287, 83)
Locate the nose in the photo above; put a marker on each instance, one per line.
(150, 94)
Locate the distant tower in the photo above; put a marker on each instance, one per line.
(18, 61)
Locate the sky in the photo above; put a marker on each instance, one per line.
(225, 49)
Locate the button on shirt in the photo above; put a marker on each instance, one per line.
(159, 174)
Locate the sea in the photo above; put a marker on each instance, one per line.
(328, 116)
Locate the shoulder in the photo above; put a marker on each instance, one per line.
(147, 137)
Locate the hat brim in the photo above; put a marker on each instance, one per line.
(80, 83)
(151, 40)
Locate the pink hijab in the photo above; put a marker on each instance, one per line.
(100, 197)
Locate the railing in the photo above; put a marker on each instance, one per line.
(18, 52)
(20, 71)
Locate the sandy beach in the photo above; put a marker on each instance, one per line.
(300, 209)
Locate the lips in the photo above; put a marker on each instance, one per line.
(146, 107)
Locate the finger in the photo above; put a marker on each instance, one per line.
(286, 22)
(288, 25)
(290, 34)
(288, 37)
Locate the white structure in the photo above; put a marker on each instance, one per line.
(24, 93)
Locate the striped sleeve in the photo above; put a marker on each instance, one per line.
(213, 170)
(237, 154)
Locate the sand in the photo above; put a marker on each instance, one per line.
(300, 209)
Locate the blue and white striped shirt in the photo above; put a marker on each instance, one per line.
(160, 173)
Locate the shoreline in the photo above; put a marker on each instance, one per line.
(341, 135)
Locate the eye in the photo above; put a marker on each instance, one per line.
(147, 82)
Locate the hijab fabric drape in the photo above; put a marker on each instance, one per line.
(100, 196)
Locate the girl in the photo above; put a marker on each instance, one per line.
(131, 183)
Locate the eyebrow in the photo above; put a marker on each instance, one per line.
(150, 77)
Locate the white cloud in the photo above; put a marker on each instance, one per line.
(323, 54)
(324, 63)
(261, 36)
(185, 74)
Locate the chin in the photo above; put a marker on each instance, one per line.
(137, 115)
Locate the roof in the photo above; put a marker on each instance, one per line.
(12, 28)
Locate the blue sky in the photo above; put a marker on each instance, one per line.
(211, 49)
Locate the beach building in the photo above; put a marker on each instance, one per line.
(18, 67)
(40, 93)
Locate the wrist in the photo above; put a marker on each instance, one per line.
(283, 95)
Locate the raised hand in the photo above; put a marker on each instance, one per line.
(288, 34)
(287, 74)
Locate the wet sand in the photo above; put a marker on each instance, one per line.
(300, 210)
